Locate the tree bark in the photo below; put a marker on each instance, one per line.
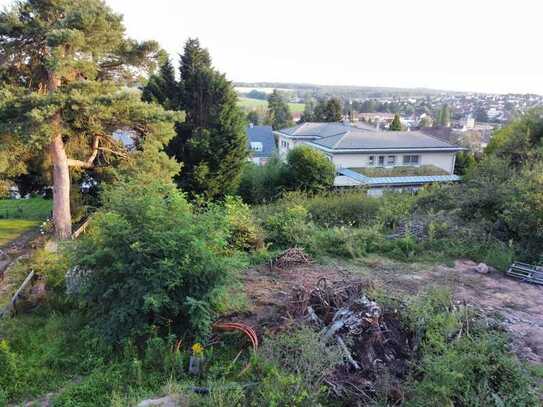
(62, 216)
(61, 189)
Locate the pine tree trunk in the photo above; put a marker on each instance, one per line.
(62, 217)
(61, 189)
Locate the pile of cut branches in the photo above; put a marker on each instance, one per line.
(375, 344)
(292, 257)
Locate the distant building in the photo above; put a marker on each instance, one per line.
(261, 143)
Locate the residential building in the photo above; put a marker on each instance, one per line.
(355, 148)
(261, 143)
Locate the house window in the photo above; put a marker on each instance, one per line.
(372, 160)
(256, 146)
(381, 161)
(410, 159)
(391, 160)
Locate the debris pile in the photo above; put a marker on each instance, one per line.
(375, 345)
(292, 257)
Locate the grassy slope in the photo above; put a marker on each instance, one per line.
(249, 104)
(11, 229)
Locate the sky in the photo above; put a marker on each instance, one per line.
(466, 45)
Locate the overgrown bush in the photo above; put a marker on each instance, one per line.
(462, 361)
(261, 184)
(290, 226)
(153, 261)
(309, 170)
(353, 208)
(244, 233)
(305, 359)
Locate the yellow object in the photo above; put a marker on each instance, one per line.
(197, 349)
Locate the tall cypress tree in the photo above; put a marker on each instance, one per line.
(211, 143)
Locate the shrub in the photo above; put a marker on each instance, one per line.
(245, 234)
(395, 207)
(460, 367)
(346, 242)
(305, 359)
(260, 184)
(290, 226)
(154, 262)
(309, 170)
(8, 370)
(343, 209)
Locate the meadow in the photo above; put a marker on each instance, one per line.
(249, 104)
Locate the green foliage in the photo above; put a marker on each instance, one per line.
(279, 115)
(31, 209)
(289, 226)
(154, 261)
(262, 183)
(465, 162)
(309, 170)
(396, 124)
(245, 234)
(327, 110)
(353, 208)
(64, 78)
(463, 364)
(306, 360)
(211, 143)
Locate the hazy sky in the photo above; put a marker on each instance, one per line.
(472, 45)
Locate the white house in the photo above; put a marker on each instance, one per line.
(353, 147)
(350, 147)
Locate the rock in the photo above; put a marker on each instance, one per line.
(481, 268)
(3, 255)
(172, 400)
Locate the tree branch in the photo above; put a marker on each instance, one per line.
(90, 161)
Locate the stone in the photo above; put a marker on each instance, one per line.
(481, 268)
(173, 400)
(3, 255)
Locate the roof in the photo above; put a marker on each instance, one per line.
(339, 137)
(264, 135)
(320, 130)
(396, 181)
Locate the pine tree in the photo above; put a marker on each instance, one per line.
(65, 67)
(444, 116)
(396, 124)
(279, 115)
(211, 144)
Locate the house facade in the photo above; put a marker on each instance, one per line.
(261, 143)
(365, 147)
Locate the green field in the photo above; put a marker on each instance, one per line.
(18, 216)
(250, 104)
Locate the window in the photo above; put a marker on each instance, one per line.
(391, 160)
(410, 159)
(381, 161)
(256, 146)
(371, 160)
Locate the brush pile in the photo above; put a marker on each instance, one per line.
(294, 256)
(376, 347)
